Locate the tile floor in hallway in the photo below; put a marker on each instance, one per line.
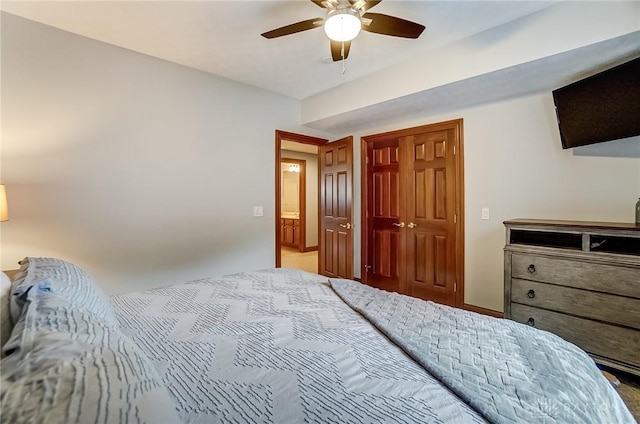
(292, 258)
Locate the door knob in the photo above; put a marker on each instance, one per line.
(399, 224)
(412, 225)
(347, 226)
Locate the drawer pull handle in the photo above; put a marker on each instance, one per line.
(532, 268)
(531, 322)
(531, 294)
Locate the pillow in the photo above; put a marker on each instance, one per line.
(65, 279)
(66, 364)
(5, 317)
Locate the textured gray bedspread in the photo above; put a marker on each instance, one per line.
(508, 372)
(279, 346)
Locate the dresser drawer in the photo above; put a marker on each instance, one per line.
(624, 281)
(608, 341)
(599, 306)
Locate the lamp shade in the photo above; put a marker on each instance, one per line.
(4, 210)
(342, 24)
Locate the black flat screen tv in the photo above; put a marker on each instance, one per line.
(603, 107)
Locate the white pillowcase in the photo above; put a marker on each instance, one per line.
(68, 360)
(64, 278)
(5, 316)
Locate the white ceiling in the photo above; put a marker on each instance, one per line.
(223, 37)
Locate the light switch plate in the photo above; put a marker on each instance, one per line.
(258, 211)
(485, 213)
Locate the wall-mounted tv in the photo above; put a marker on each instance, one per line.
(603, 107)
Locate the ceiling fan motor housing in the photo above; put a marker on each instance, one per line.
(342, 24)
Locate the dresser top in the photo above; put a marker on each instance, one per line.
(577, 225)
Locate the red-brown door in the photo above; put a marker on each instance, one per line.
(430, 214)
(412, 212)
(384, 266)
(335, 247)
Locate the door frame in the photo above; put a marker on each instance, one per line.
(459, 196)
(296, 138)
(302, 200)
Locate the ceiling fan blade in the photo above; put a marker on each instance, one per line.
(327, 4)
(390, 25)
(336, 50)
(293, 28)
(364, 5)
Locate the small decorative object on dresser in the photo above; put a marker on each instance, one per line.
(579, 280)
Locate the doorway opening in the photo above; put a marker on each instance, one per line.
(297, 208)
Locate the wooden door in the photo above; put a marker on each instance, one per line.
(335, 247)
(412, 185)
(430, 182)
(384, 267)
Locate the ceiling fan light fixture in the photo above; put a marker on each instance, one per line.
(342, 24)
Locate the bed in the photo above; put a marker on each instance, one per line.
(279, 346)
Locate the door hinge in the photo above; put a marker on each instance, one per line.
(455, 287)
(455, 218)
(454, 150)
(367, 160)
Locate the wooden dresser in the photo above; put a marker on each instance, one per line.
(579, 280)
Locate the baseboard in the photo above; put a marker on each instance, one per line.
(483, 311)
(310, 248)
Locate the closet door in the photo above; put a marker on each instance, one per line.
(413, 235)
(429, 169)
(384, 265)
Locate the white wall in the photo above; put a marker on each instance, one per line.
(515, 166)
(142, 171)
(311, 204)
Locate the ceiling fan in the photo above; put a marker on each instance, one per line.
(344, 21)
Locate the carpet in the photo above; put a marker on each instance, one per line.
(292, 258)
(629, 390)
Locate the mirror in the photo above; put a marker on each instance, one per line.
(290, 195)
